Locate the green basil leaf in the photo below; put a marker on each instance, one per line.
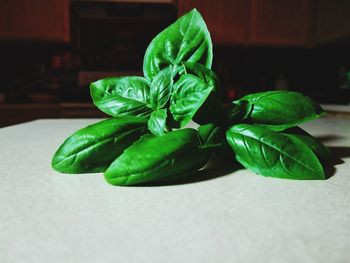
(161, 88)
(321, 151)
(203, 73)
(211, 136)
(189, 93)
(122, 96)
(187, 39)
(208, 112)
(273, 154)
(93, 148)
(279, 110)
(157, 122)
(236, 112)
(154, 158)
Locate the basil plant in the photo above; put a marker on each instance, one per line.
(146, 139)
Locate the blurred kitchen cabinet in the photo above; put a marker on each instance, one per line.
(255, 22)
(227, 20)
(34, 20)
(281, 22)
(18, 113)
(332, 20)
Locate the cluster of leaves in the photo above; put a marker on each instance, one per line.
(145, 139)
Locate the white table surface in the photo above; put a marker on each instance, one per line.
(46, 216)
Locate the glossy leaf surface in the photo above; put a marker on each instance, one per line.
(208, 112)
(93, 148)
(189, 93)
(236, 112)
(321, 151)
(279, 110)
(154, 158)
(122, 96)
(187, 39)
(273, 154)
(161, 88)
(157, 122)
(211, 136)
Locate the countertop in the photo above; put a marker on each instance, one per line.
(219, 215)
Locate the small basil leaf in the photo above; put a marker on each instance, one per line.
(162, 86)
(208, 112)
(122, 96)
(189, 93)
(157, 121)
(279, 110)
(93, 148)
(211, 136)
(321, 151)
(187, 39)
(273, 154)
(203, 73)
(236, 112)
(154, 158)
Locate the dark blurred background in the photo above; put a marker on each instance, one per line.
(50, 50)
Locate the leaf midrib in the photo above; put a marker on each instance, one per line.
(163, 163)
(92, 146)
(276, 149)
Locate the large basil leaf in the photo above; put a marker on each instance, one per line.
(122, 96)
(189, 93)
(187, 39)
(157, 122)
(208, 112)
(153, 158)
(279, 110)
(273, 154)
(321, 151)
(93, 148)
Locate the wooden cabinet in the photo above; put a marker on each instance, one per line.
(255, 22)
(34, 20)
(227, 20)
(281, 22)
(332, 20)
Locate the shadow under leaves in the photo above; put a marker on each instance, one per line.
(216, 167)
(328, 138)
(337, 154)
